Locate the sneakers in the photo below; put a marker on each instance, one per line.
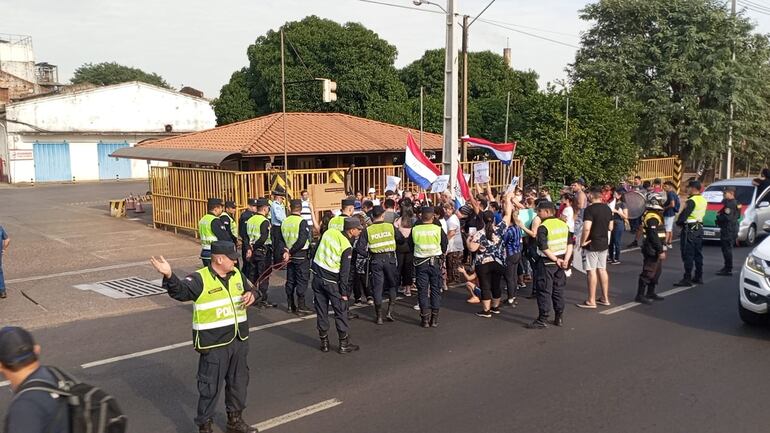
(416, 307)
(615, 262)
(511, 302)
(369, 301)
(3, 295)
(669, 246)
(495, 310)
(485, 314)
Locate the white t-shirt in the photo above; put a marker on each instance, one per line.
(443, 225)
(456, 242)
(569, 215)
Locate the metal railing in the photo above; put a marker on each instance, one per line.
(657, 168)
(180, 194)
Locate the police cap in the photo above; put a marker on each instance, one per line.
(214, 202)
(226, 248)
(230, 204)
(252, 202)
(263, 202)
(348, 202)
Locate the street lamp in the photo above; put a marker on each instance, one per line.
(451, 148)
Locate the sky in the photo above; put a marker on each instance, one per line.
(200, 43)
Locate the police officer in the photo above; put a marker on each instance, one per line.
(261, 248)
(211, 228)
(430, 244)
(727, 220)
(295, 234)
(243, 233)
(331, 282)
(554, 249)
(230, 222)
(380, 241)
(691, 237)
(347, 208)
(277, 215)
(220, 297)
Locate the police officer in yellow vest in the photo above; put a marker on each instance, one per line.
(220, 325)
(554, 249)
(211, 228)
(347, 208)
(379, 240)
(691, 237)
(295, 239)
(228, 217)
(261, 249)
(331, 282)
(430, 244)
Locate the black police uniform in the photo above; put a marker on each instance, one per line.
(383, 274)
(298, 269)
(262, 259)
(691, 238)
(428, 279)
(727, 220)
(221, 231)
(247, 268)
(550, 281)
(652, 265)
(220, 365)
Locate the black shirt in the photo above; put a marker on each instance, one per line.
(242, 227)
(35, 411)
(600, 216)
(727, 218)
(227, 220)
(652, 245)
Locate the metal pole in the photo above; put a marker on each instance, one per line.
(451, 148)
(465, 86)
(283, 116)
(505, 140)
(566, 119)
(422, 89)
(728, 163)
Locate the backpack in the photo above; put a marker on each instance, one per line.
(91, 410)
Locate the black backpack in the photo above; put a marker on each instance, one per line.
(91, 410)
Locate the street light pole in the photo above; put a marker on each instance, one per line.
(451, 148)
(465, 86)
(283, 108)
(728, 164)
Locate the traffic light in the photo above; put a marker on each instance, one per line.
(330, 90)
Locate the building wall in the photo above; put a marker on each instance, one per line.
(125, 108)
(84, 157)
(18, 58)
(17, 88)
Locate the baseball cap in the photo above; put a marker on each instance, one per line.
(353, 223)
(16, 345)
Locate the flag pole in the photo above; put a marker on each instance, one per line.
(507, 115)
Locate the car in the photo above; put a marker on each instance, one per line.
(755, 284)
(753, 205)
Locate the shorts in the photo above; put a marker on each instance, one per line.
(595, 260)
(668, 222)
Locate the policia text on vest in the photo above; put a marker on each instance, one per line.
(220, 330)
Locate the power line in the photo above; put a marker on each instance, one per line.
(481, 13)
(755, 6)
(402, 6)
(529, 34)
(572, 35)
(298, 56)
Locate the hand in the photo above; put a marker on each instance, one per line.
(247, 299)
(248, 254)
(286, 256)
(662, 256)
(584, 244)
(161, 265)
(344, 298)
(565, 264)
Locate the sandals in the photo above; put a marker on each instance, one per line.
(602, 302)
(586, 305)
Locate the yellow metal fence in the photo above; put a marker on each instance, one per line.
(180, 194)
(660, 168)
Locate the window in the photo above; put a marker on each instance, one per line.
(743, 194)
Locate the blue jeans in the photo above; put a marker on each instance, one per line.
(615, 238)
(2, 278)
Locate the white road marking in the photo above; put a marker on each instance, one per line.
(89, 270)
(189, 344)
(634, 304)
(297, 414)
(5, 383)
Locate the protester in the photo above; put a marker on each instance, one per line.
(454, 256)
(619, 218)
(670, 209)
(405, 250)
(489, 262)
(372, 196)
(471, 284)
(597, 223)
(5, 241)
(512, 245)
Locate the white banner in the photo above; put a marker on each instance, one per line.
(512, 186)
(393, 182)
(481, 172)
(440, 184)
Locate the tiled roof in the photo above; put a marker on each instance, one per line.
(306, 133)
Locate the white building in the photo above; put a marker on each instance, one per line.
(69, 136)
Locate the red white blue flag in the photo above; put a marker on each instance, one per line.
(503, 151)
(417, 166)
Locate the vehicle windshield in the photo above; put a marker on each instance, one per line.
(743, 194)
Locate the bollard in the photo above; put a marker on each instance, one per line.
(139, 208)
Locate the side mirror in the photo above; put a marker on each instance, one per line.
(763, 204)
(766, 227)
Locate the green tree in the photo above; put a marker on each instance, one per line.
(107, 73)
(234, 103)
(355, 57)
(670, 62)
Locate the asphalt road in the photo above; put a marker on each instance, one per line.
(685, 364)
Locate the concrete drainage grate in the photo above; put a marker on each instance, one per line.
(132, 287)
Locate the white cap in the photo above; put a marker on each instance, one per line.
(372, 191)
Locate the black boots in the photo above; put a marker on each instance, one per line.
(652, 295)
(324, 343)
(291, 307)
(558, 320)
(388, 316)
(725, 272)
(686, 281)
(539, 323)
(302, 309)
(424, 319)
(434, 319)
(378, 314)
(346, 346)
(205, 427)
(640, 294)
(236, 424)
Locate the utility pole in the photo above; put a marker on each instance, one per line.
(451, 148)
(465, 86)
(283, 116)
(566, 118)
(728, 163)
(422, 90)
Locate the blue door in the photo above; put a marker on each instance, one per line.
(113, 168)
(52, 161)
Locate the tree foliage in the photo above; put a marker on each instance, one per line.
(234, 103)
(107, 73)
(670, 62)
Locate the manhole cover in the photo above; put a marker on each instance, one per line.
(133, 287)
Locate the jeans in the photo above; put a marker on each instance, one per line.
(615, 238)
(2, 278)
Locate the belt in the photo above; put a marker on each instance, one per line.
(385, 254)
(424, 260)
